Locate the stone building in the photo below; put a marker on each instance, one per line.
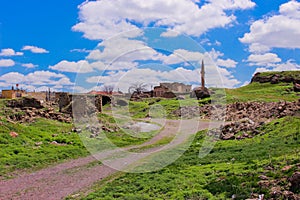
(170, 90)
(163, 91)
(159, 91)
(177, 87)
(12, 94)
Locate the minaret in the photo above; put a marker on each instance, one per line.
(202, 76)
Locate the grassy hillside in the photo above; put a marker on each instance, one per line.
(267, 92)
(264, 92)
(45, 142)
(33, 149)
(232, 168)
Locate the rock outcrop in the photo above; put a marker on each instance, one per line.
(279, 77)
(296, 87)
(275, 77)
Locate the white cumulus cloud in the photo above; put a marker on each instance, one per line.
(6, 63)
(281, 30)
(286, 66)
(34, 49)
(123, 49)
(228, 63)
(35, 80)
(215, 76)
(212, 57)
(29, 65)
(106, 18)
(266, 59)
(10, 52)
(81, 66)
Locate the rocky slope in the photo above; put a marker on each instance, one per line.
(243, 119)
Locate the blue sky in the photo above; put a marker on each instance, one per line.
(83, 45)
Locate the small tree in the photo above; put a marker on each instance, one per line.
(137, 87)
(108, 88)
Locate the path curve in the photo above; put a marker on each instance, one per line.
(59, 181)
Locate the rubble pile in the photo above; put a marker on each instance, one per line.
(243, 119)
(82, 106)
(28, 109)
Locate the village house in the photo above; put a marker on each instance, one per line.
(159, 91)
(168, 90)
(12, 94)
(177, 87)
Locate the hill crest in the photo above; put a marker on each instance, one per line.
(277, 77)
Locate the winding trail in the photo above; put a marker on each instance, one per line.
(59, 181)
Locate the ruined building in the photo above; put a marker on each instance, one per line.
(177, 87)
(170, 90)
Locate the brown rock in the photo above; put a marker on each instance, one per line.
(264, 184)
(276, 192)
(263, 177)
(54, 143)
(286, 168)
(38, 143)
(13, 134)
(228, 136)
(296, 87)
(288, 195)
(295, 182)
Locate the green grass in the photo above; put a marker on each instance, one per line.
(22, 152)
(32, 150)
(263, 92)
(158, 107)
(161, 142)
(232, 167)
(124, 137)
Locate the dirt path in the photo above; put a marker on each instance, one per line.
(64, 179)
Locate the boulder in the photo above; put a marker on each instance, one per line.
(201, 93)
(13, 134)
(295, 182)
(228, 136)
(296, 87)
(275, 79)
(121, 102)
